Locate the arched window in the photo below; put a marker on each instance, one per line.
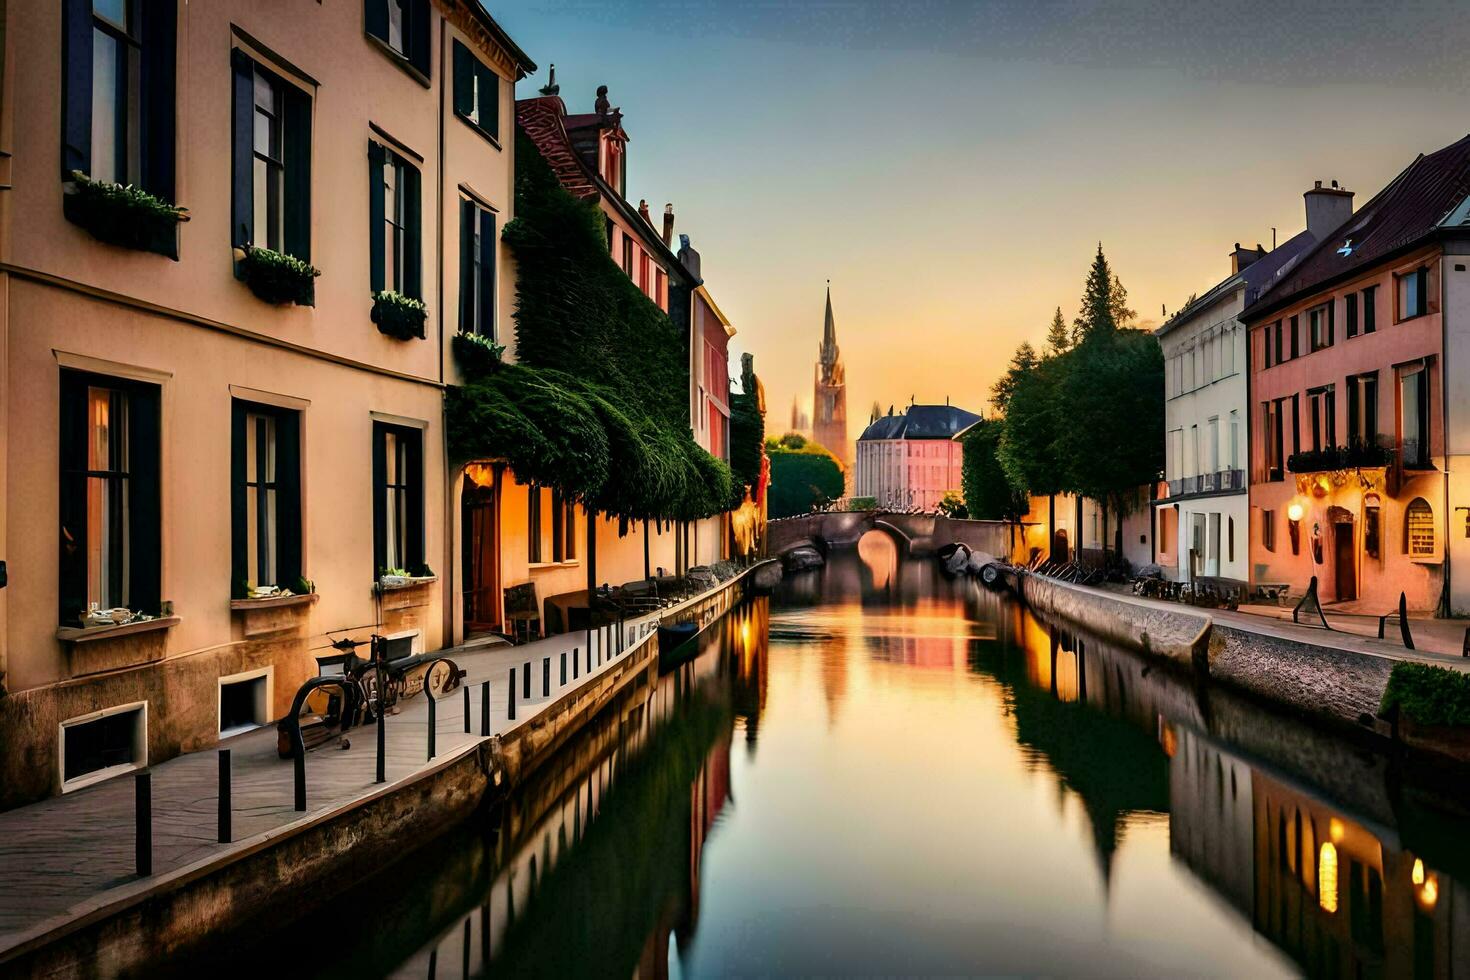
(1419, 529)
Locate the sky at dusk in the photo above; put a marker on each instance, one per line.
(952, 166)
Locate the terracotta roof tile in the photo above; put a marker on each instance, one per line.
(543, 121)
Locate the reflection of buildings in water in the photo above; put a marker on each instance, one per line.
(1341, 895)
(749, 677)
(879, 556)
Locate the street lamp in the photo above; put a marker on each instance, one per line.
(1294, 527)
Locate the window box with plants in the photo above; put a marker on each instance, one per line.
(399, 316)
(1334, 458)
(276, 277)
(477, 355)
(398, 578)
(246, 596)
(123, 215)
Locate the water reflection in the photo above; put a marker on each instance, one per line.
(933, 781)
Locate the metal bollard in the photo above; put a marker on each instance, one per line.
(485, 709)
(382, 775)
(526, 681)
(510, 711)
(143, 819)
(433, 720)
(466, 710)
(546, 677)
(224, 796)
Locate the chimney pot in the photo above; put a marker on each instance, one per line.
(668, 224)
(1327, 209)
(1318, 185)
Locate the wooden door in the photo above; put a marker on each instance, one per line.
(481, 558)
(1345, 561)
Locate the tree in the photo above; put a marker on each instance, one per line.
(1021, 362)
(1096, 316)
(989, 494)
(953, 505)
(1058, 337)
(1123, 317)
(803, 476)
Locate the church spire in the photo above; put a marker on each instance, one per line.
(829, 334)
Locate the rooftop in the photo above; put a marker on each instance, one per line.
(921, 422)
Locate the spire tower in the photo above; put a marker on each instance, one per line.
(829, 401)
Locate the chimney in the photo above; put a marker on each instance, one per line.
(688, 256)
(1328, 208)
(668, 224)
(1242, 258)
(643, 212)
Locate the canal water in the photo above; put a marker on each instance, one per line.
(879, 770)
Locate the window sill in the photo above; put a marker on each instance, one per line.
(412, 583)
(536, 566)
(273, 602)
(398, 58)
(101, 775)
(484, 133)
(87, 634)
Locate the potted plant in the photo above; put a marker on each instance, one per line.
(477, 355)
(276, 277)
(123, 215)
(1429, 707)
(392, 578)
(398, 315)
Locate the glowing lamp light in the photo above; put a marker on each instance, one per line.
(1327, 877)
(1418, 874)
(1429, 892)
(1294, 512)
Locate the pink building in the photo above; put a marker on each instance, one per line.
(908, 461)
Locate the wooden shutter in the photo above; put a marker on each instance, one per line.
(488, 252)
(239, 545)
(144, 504)
(1354, 408)
(377, 157)
(296, 130)
(72, 591)
(414, 533)
(409, 187)
(1331, 322)
(1421, 292)
(418, 34)
(242, 149)
(464, 80)
(468, 315)
(76, 87)
(288, 497)
(375, 19)
(489, 100)
(380, 499)
(159, 36)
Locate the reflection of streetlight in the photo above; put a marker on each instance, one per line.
(1294, 527)
(1327, 877)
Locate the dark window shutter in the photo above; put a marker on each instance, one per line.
(490, 100)
(412, 233)
(1331, 322)
(1421, 290)
(159, 34)
(380, 500)
(377, 156)
(468, 315)
(73, 497)
(144, 504)
(464, 79)
(76, 87)
(375, 18)
(414, 533)
(297, 131)
(242, 149)
(288, 497)
(488, 252)
(418, 35)
(1354, 407)
(239, 560)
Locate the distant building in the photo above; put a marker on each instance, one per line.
(1202, 518)
(908, 461)
(829, 401)
(801, 422)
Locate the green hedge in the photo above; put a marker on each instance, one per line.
(1427, 695)
(802, 478)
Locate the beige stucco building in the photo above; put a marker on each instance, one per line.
(171, 443)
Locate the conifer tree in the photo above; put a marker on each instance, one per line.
(1058, 337)
(1095, 317)
(1021, 362)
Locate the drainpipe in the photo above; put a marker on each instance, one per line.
(447, 576)
(1445, 604)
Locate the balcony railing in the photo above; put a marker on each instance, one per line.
(1216, 482)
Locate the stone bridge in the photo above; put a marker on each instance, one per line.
(916, 534)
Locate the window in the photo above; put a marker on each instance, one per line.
(535, 524)
(476, 269)
(1363, 409)
(1268, 530)
(103, 744)
(398, 498)
(266, 497)
(1272, 439)
(1292, 326)
(1321, 404)
(643, 272)
(1213, 445)
(1320, 326)
(563, 528)
(1414, 416)
(271, 193)
(1234, 439)
(1413, 289)
(1419, 529)
(394, 216)
(1267, 336)
(244, 702)
(476, 92)
(1230, 539)
(628, 255)
(118, 92)
(1350, 313)
(1370, 309)
(109, 497)
(403, 27)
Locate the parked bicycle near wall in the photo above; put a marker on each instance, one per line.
(346, 692)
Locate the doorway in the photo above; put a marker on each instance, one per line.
(1059, 545)
(480, 552)
(1344, 560)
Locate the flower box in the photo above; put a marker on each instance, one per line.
(399, 316)
(126, 216)
(276, 277)
(477, 356)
